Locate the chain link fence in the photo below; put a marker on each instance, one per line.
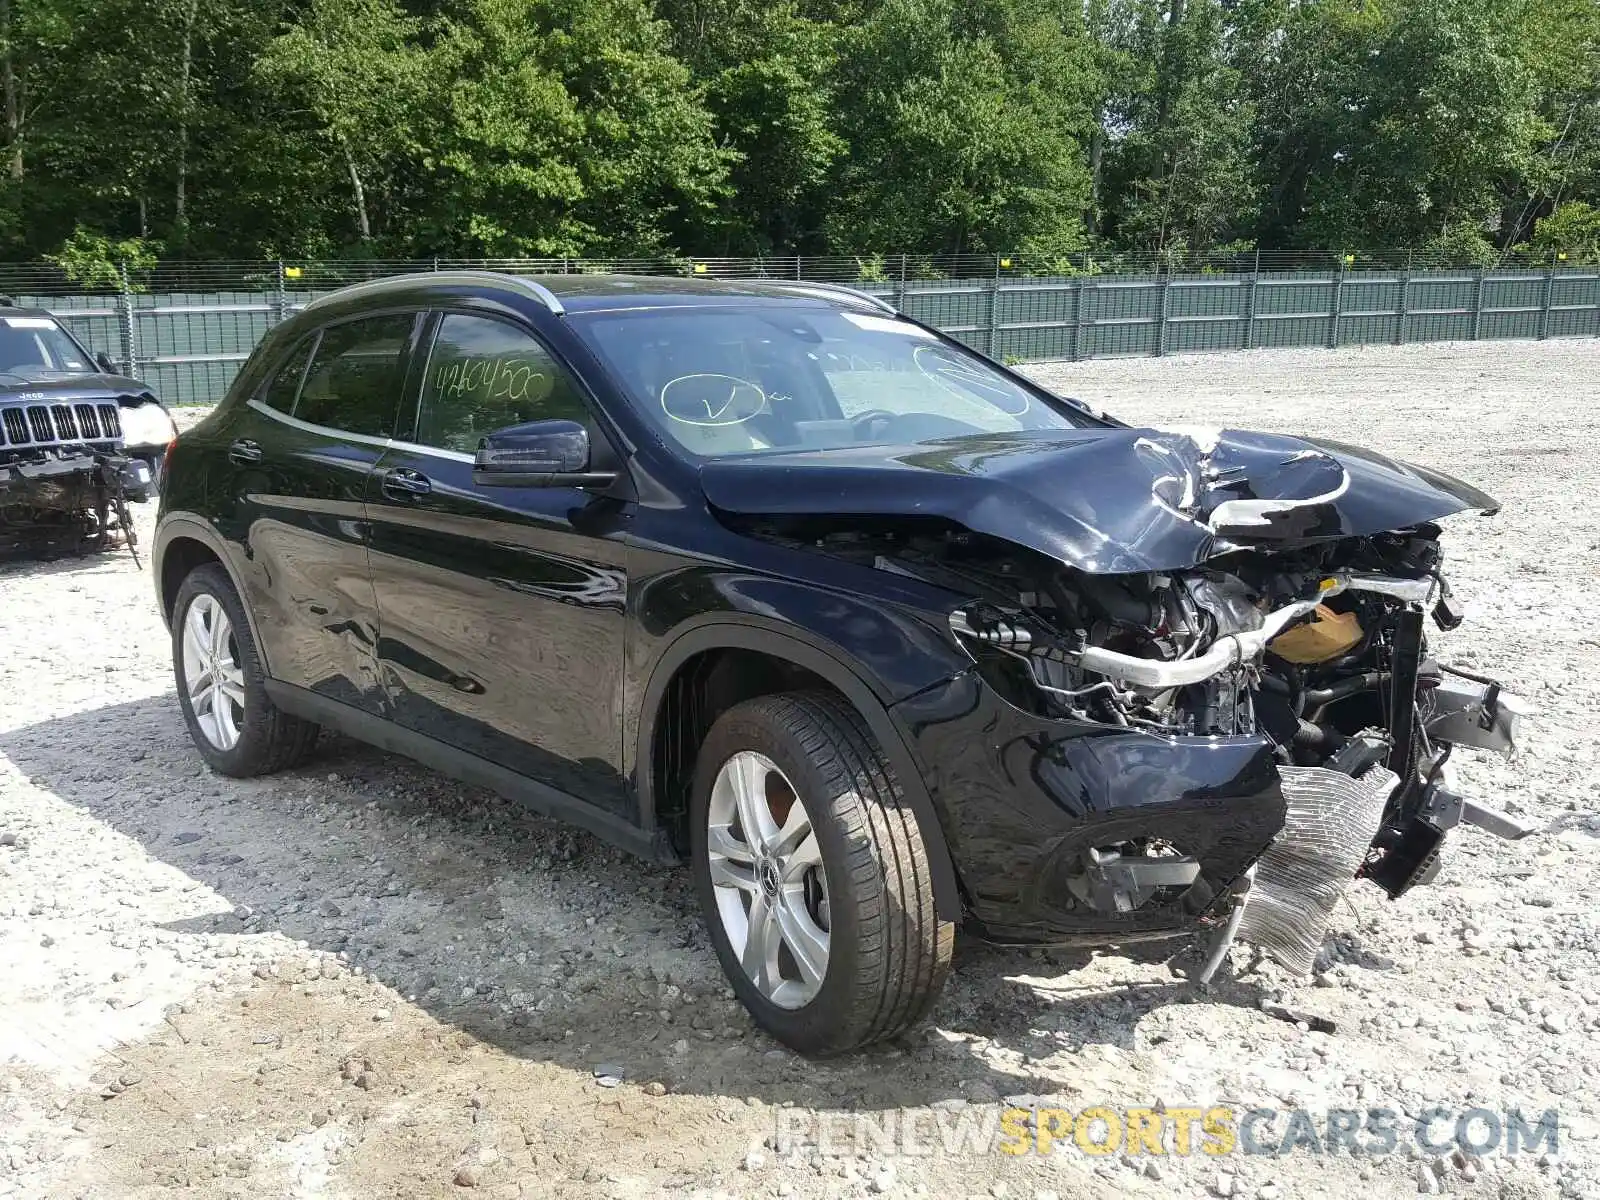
(187, 327)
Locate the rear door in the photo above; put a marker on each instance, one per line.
(501, 609)
(302, 451)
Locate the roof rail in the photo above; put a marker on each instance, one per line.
(839, 291)
(395, 283)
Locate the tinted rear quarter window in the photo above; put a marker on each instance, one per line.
(284, 386)
(355, 378)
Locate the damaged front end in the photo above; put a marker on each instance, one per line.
(1201, 678)
(65, 482)
(1321, 649)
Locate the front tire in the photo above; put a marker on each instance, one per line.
(222, 687)
(813, 875)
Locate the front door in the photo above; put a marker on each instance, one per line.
(501, 610)
(302, 452)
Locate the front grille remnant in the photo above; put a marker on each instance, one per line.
(88, 422)
(66, 425)
(1329, 825)
(40, 425)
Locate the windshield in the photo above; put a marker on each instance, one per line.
(30, 345)
(722, 381)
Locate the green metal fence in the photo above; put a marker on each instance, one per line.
(186, 328)
(1105, 316)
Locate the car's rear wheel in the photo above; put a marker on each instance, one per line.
(221, 686)
(813, 875)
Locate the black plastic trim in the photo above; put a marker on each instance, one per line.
(652, 846)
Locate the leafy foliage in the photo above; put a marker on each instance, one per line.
(1572, 230)
(96, 262)
(350, 128)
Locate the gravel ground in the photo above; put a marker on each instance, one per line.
(362, 979)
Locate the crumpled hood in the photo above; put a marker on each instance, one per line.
(1106, 500)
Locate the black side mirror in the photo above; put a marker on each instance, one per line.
(103, 361)
(550, 453)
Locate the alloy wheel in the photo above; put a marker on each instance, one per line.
(770, 886)
(211, 672)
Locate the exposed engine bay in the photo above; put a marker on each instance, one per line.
(1204, 697)
(1320, 646)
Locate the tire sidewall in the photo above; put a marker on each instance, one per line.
(817, 1026)
(211, 580)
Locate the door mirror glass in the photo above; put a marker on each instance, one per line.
(555, 446)
(550, 453)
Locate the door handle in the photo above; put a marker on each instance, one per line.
(402, 483)
(245, 451)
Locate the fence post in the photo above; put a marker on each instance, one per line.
(1084, 289)
(1161, 319)
(1549, 299)
(1338, 308)
(994, 309)
(1076, 292)
(1405, 303)
(1250, 309)
(280, 300)
(1477, 304)
(900, 290)
(127, 332)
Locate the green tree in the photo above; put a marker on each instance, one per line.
(964, 123)
(1458, 128)
(1390, 125)
(566, 128)
(768, 77)
(352, 69)
(93, 260)
(1177, 176)
(1572, 230)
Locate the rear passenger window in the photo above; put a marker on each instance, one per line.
(285, 386)
(355, 378)
(483, 375)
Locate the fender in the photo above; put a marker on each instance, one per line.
(742, 632)
(186, 525)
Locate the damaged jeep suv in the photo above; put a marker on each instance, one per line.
(68, 464)
(880, 636)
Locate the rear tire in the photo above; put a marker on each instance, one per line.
(222, 687)
(850, 865)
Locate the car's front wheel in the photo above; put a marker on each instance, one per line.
(813, 875)
(222, 687)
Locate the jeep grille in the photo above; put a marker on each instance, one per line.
(54, 424)
(88, 422)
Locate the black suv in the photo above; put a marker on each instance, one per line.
(879, 635)
(76, 439)
(41, 362)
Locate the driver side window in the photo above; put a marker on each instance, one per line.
(485, 374)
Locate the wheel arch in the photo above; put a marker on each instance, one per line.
(183, 543)
(788, 648)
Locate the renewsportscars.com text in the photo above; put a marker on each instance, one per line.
(1216, 1131)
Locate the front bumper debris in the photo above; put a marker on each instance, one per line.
(1469, 710)
(1065, 832)
(1330, 822)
